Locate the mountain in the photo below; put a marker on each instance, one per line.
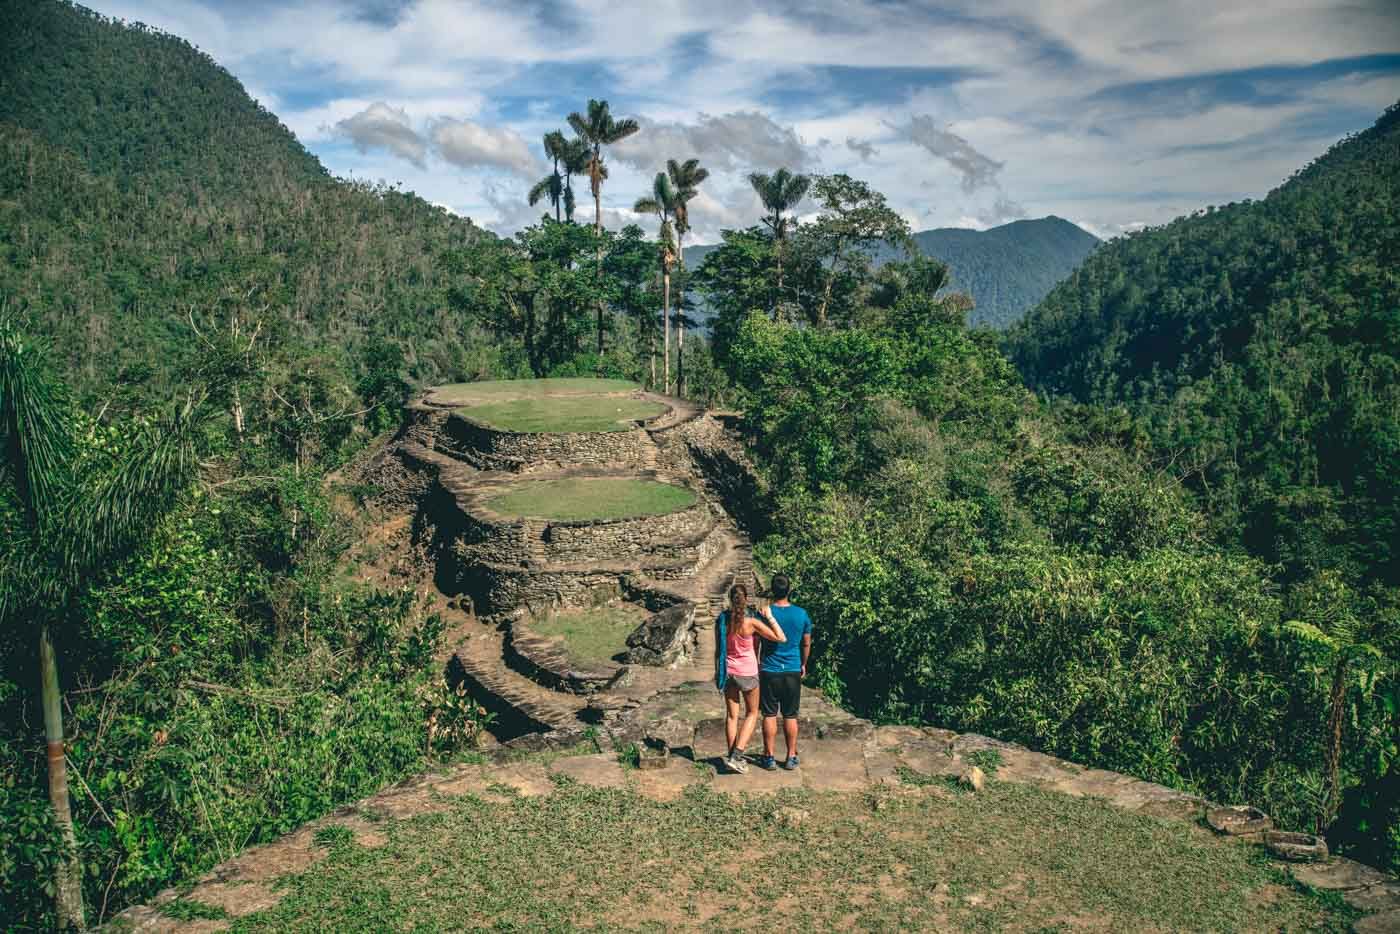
(139, 184)
(1259, 345)
(1006, 269)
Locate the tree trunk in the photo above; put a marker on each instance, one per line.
(1334, 747)
(598, 235)
(778, 295)
(680, 324)
(68, 894)
(666, 330)
(826, 292)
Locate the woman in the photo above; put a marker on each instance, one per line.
(737, 664)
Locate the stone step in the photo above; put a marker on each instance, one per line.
(481, 657)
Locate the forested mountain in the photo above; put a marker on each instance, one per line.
(139, 184)
(1006, 269)
(1259, 345)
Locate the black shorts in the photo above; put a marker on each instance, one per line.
(780, 691)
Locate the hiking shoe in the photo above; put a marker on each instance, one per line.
(736, 764)
(769, 763)
(791, 763)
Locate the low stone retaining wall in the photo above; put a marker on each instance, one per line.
(548, 661)
(488, 448)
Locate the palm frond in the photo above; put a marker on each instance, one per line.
(120, 506)
(34, 427)
(618, 130)
(580, 125)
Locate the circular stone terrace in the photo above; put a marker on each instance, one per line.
(551, 406)
(518, 425)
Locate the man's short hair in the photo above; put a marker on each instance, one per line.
(781, 586)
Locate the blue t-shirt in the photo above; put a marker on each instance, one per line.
(786, 656)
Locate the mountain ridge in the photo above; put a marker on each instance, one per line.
(1006, 269)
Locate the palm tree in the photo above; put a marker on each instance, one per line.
(74, 519)
(599, 128)
(576, 155)
(662, 203)
(555, 147)
(780, 192)
(685, 179)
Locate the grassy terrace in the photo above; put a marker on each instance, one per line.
(586, 858)
(591, 498)
(593, 635)
(550, 405)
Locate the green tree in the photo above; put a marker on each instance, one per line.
(854, 217)
(575, 160)
(1327, 619)
(76, 516)
(599, 128)
(662, 202)
(552, 185)
(780, 193)
(686, 178)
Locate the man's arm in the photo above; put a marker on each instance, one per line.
(806, 650)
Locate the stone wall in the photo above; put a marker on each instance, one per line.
(618, 539)
(708, 447)
(491, 449)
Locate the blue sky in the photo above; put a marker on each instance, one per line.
(1111, 113)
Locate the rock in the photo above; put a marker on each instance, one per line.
(671, 732)
(663, 639)
(973, 779)
(653, 757)
(1387, 922)
(790, 816)
(1295, 847)
(1238, 820)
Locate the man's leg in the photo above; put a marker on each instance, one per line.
(768, 704)
(789, 733)
(791, 696)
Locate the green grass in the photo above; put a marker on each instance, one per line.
(564, 413)
(593, 635)
(585, 858)
(592, 498)
(467, 393)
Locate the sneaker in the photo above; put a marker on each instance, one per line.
(736, 764)
(791, 763)
(769, 763)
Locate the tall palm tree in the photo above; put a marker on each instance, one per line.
(685, 178)
(780, 192)
(555, 146)
(74, 519)
(575, 158)
(599, 128)
(662, 203)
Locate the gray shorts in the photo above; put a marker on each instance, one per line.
(743, 682)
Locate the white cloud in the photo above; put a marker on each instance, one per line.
(472, 145)
(741, 141)
(380, 126)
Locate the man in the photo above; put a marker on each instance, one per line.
(780, 672)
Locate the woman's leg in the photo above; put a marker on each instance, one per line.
(731, 715)
(741, 742)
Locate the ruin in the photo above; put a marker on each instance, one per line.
(650, 523)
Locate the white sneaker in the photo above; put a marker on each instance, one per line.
(736, 764)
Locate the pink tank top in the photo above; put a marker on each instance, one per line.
(739, 656)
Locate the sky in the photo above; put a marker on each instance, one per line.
(1114, 114)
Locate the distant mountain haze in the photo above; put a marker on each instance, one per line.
(1007, 270)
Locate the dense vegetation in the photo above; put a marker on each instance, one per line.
(972, 556)
(1006, 270)
(1258, 347)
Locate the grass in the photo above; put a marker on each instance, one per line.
(468, 393)
(564, 413)
(593, 635)
(586, 858)
(592, 498)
